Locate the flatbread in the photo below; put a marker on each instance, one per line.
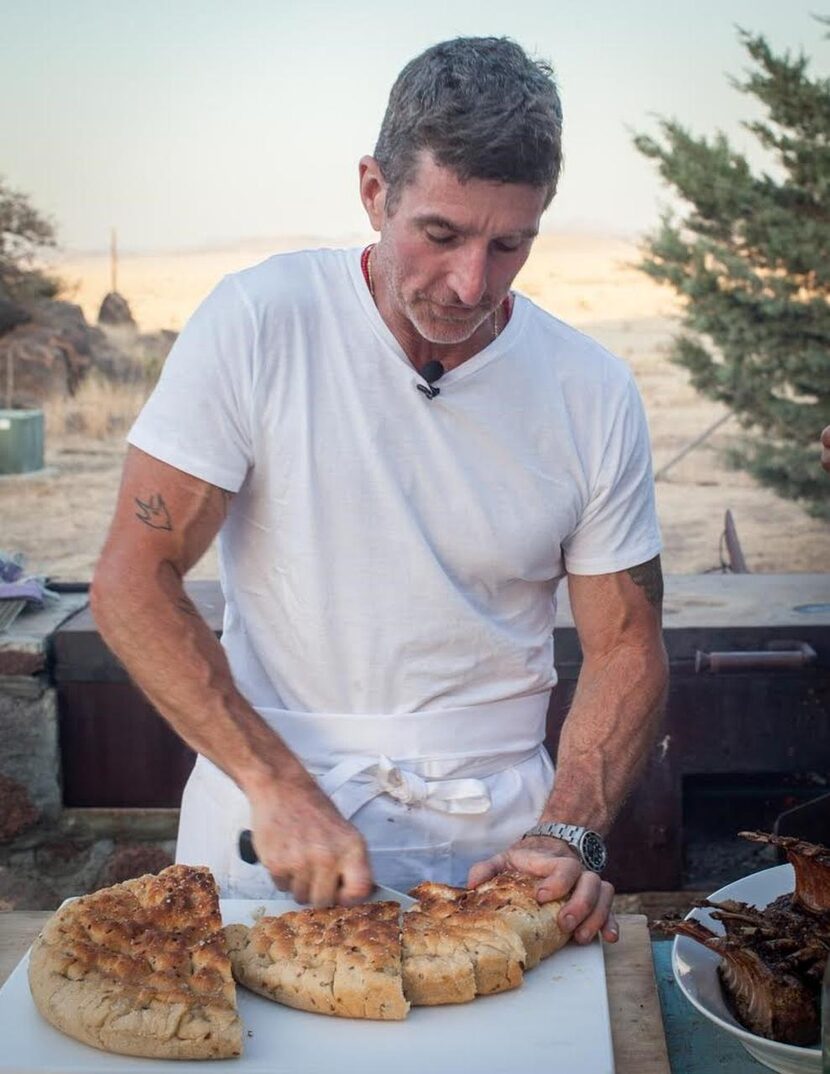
(141, 968)
(343, 961)
(509, 895)
(454, 958)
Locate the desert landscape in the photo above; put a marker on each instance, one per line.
(58, 519)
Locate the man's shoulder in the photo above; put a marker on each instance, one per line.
(293, 276)
(571, 353)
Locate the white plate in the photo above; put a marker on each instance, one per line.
(695, 971)
(557, 1020)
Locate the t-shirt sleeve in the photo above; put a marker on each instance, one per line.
(618, 528)
(198, 417)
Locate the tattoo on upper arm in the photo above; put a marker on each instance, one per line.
(650, 576)
(153, 513)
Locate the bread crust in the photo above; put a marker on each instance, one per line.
(141, 969)
(512, 897)
(454, 958)
(341, 961)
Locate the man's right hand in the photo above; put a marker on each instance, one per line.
(307, 846)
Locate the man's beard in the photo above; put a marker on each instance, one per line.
(437, 329)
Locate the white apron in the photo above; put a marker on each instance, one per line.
(432, 792)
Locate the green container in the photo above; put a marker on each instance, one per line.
(21, 441)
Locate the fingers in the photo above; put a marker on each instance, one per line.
(485, 870)
(562, 875)
(588, 910)
(355, 879)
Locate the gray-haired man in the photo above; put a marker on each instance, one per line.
(403, 459)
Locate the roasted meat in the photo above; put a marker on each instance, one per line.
(773, 959)
(811, 863)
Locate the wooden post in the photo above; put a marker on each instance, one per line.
(113, 260)
(9, 379)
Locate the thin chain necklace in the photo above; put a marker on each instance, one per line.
(499, 323)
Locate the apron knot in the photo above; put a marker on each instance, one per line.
(356, 781)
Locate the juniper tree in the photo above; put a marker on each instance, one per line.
(24, 233)
(751, 258)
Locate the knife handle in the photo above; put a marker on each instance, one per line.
(246, 847)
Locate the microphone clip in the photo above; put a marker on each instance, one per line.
(429, 390)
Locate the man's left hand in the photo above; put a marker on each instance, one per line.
(561, 874)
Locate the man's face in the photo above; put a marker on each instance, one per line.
(450, 250)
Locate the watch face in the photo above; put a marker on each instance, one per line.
(594, 852)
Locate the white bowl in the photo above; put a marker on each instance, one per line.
(695, 966)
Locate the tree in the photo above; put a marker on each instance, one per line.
(24, 234)
(751, 258)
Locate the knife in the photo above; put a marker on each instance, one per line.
(379, 893)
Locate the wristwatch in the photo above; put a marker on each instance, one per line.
(589, 845)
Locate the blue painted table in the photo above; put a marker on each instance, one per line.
(695, 1045)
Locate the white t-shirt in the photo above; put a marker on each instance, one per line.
(385, 552)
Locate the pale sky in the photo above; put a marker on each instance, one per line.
(190, 123)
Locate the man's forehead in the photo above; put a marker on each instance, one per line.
(436, 195)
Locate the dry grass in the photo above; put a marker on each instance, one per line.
(100, 410)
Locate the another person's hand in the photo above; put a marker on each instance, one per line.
(587, 910)
(825, 449)
(307, 846)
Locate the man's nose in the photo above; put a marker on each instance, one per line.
(468, 276)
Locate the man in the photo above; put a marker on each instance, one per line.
(825, 449)
(390, 547)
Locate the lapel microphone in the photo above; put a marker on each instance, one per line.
(431, 372)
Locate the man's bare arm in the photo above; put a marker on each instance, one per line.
(620, 693)
(164, 522)
(605, 739)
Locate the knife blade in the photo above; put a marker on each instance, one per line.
(247, 853)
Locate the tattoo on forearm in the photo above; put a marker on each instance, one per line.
(153, 513)
(186, 605)
(650, 576)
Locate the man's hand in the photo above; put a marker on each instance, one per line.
(307, 846)
(561, 873)
(825, 449)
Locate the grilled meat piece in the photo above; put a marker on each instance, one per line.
(767, 1000)
(811, 863)
(772, 960)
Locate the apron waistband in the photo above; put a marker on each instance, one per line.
(436, 759)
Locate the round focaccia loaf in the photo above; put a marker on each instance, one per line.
(343, 961)
(141, 968)
(510, 895)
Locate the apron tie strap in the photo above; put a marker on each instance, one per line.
(383, 776)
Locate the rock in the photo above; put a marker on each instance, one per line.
(25, 891)
(29, 748)
(17, 811)
(129, 860)
(45, 364)
(115, 310)
(11, 315)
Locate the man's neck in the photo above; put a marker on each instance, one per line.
(419, 350)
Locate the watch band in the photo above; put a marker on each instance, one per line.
(588, 844)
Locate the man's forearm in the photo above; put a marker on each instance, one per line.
(174, 657)
(607, 735)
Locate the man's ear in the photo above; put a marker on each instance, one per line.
(372, 191)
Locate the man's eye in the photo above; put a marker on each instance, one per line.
(508, 247)
(441, 239)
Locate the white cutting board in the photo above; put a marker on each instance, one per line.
(557, 1022)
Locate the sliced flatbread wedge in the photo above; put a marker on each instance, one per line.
(454, 958)
(512, 897)
(343, 961)
(141, 968)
